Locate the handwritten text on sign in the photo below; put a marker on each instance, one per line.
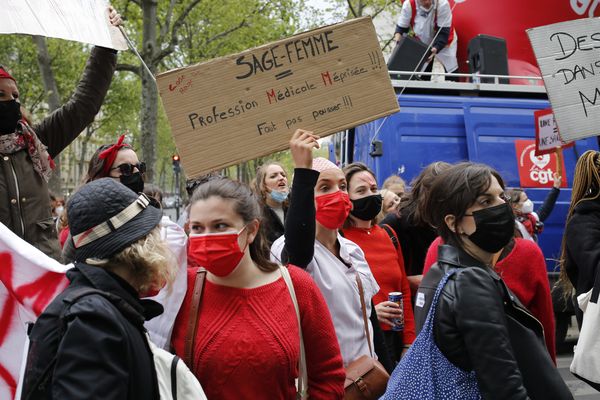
(547, 137)
(569, 59)
(247, 105)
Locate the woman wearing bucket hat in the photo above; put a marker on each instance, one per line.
(26, 151)
(90, 341)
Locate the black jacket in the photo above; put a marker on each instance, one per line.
(272, 224)
(583, 245)
(24, 202)
(414, 240)
(480, 325)
(102, 353)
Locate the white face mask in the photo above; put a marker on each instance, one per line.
(527, 207)
(59, 210)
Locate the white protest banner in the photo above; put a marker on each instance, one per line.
(247, 105)
(570, 64)
(29, 280)
(78, 20)
(547, 137)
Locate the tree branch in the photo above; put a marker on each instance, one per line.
(387, 3)
(165, 28)
(349, 2)
(174, 39)
(129, 68)
(227, 32)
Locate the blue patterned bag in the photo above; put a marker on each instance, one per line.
(424, 373)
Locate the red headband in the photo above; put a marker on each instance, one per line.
(110, 154)
(5, 75)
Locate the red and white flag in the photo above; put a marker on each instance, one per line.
(29, 280)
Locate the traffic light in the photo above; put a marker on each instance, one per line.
(176, 166)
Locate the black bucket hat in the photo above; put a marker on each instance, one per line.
(105, 217)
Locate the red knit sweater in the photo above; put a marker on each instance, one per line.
(524, 272)
(247, 344)
(387, 266)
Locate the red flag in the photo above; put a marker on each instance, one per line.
(29, 280)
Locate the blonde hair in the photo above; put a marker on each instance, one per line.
(258, 183)
(586, 186)
(149, 263)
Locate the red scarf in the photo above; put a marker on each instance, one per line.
(109, 155)
(25, 138)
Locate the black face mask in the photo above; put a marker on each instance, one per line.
(10, 114)
(494, 227)
(134, 181)
(367, 208)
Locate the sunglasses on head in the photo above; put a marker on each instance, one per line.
(128, 169)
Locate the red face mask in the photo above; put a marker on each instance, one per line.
(333, 209)
(219, 253)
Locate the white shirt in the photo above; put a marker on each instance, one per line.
(338, 285)
(424, 28)
(160, 327)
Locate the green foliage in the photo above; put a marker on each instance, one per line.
(212, 28)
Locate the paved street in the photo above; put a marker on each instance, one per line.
(580, 390)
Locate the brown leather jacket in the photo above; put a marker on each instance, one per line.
(24, 201)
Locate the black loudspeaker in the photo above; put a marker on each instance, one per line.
(487, 56)
(406, 56)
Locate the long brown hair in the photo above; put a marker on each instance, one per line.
(586, 186)
(258, 183)
(412, 205)
(452, 193)
(246, 205)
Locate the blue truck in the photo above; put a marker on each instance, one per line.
(461, 121)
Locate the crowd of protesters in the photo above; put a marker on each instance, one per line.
(287, 287)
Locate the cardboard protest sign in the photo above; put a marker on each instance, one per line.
(536, 171)
(568, 59)
(547, 136)
(247, 105)
(78, 20)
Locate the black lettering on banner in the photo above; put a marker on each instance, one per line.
(221, 114)
(292, 52)
(584, 99)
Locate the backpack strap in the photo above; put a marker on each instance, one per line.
(190, 336)
(363, 307)
(71, 298)
(413, 7)
(392, 234)
(413, 13)
(174, 377)
(302, 381)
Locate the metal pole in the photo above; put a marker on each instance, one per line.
(177, 198)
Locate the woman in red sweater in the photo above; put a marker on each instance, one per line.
(384, 258)
(523, 268)
(247, 340)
